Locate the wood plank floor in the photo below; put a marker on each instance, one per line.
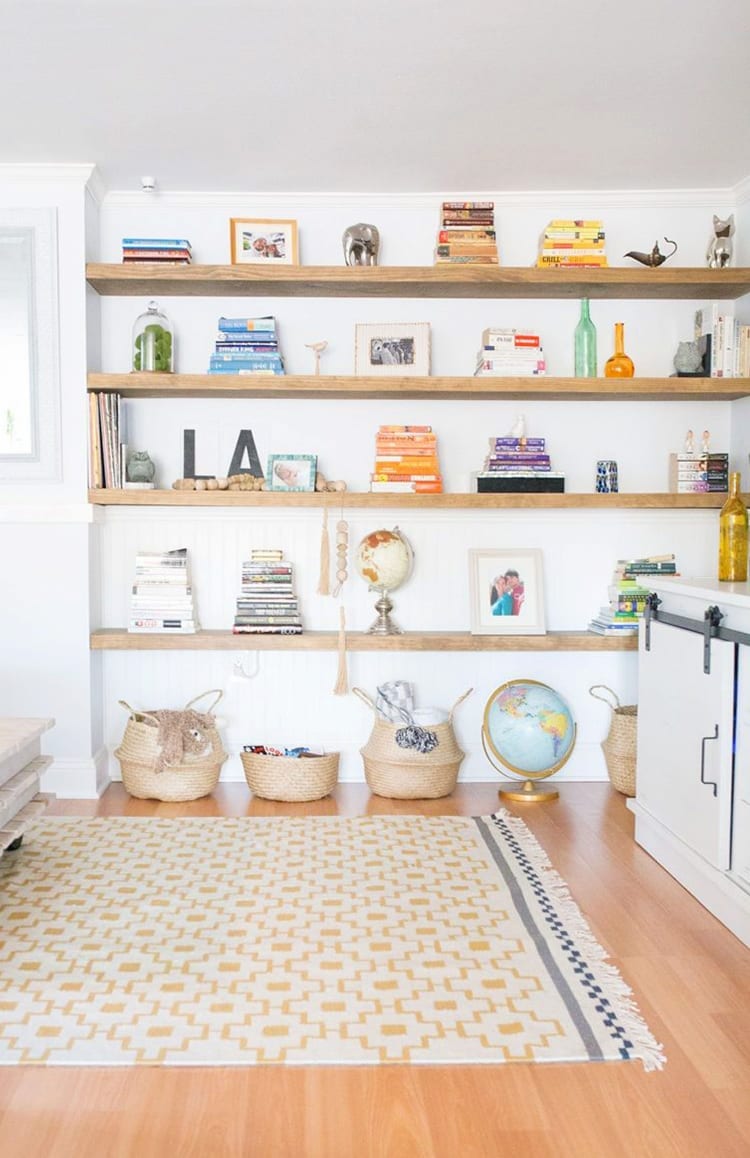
(691, 978)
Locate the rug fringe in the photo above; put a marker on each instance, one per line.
(649, 1050)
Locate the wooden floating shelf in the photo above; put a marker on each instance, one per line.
(352, 499)
(115, 639)
(417, 281)
(544, 389)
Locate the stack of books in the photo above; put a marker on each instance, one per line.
(267, 604)
(573, 244)
(725, 342)
(518, 465)
(162, 597)
(406, 460)
(467, 234)
(628, 593)
(106, 450)
(163, 250)
(246, 346)
(691, 474)
(510, 353)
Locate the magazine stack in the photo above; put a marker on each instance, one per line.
(162, 596)
(406, 460)
(467, 234)
(246, 346)
(267, 604)
(510, 353)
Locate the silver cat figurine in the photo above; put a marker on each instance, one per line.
(719, 253)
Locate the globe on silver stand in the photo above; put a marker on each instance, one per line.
(384, 559)
(384, 625)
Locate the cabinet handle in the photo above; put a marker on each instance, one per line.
(711, 783)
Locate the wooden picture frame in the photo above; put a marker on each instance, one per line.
(263, 241)
(393, 349)
(507, 591)
(291, 472)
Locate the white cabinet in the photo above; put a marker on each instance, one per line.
(692, 804)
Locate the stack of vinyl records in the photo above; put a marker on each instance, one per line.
(267, 604)
(162, 250)
(246, 346)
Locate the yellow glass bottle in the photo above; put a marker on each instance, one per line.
(733, 535)
(619, 365)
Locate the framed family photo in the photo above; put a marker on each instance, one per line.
(261, 241)
(291, 472)
(507, 591)
(394, 348)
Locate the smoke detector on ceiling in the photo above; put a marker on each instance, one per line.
(148, 184)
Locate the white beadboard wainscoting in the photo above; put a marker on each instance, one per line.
(288, 700)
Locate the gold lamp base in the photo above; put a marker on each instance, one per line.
(529, 790)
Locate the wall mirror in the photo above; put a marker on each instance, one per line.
(29, 372)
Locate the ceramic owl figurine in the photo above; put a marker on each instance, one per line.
(140, 467)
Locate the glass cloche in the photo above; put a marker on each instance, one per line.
(153, 341)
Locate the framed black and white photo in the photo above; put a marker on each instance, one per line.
(291, 472)
(392, 348)
(507, 591)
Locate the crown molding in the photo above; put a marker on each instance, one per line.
(742, 191)
(73, 174)
(581, 200)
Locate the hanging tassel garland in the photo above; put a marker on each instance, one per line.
(341, 687)
(324, 581)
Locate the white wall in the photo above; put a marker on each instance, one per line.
(288, 702)
(44, 579)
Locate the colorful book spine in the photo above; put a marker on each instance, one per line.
(233, 325)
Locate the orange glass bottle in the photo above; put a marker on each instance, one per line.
(733, 535)
(619, 365)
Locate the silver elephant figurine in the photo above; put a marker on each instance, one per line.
(361, 244)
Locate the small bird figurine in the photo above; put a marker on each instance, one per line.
(317, 348)
(518, 429)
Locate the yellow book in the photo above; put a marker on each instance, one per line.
(574, 223)
(571, 259)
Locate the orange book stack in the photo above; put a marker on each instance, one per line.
(406, 460)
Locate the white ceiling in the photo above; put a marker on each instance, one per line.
(388, 96)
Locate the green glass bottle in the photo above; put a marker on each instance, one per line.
(585, 344)
(733, 535)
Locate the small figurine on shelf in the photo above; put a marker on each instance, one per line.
(720, 247)
(689, 443)
(518, 429)
(655, 257)
(688, 360)
(140, 470)
(361, 244)
(705, 441)
(317, 349)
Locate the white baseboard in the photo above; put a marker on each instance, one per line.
(719, 892)
(72, 778)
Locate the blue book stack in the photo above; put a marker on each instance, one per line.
(246, 346)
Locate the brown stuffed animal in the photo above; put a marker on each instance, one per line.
(181, 733)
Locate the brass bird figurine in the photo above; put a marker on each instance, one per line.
(655, 257)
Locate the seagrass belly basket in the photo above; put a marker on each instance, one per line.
(405, 773)
(171, 756)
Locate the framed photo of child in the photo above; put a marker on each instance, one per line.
(507, 591)
(263, 241)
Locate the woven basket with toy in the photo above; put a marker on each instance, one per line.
(171, 755)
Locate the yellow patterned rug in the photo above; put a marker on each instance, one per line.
(199, 941)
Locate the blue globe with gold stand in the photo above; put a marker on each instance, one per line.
(529, 729)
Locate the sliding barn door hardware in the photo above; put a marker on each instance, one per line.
(709, 627)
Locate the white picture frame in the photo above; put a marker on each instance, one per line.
(392, 349)
(516, 607)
